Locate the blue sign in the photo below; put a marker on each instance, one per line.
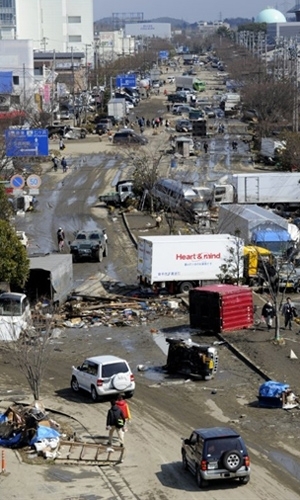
(29, 142)
(17, 181)
(126, 81)
(163, 54)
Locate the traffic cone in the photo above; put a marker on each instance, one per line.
(293, 355)
(3, 462)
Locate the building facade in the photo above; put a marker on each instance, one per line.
(62, 25)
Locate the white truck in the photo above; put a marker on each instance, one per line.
(116, 108)
(181, 262)
(271, 150)
(230, 103)
(189, 83)
(279, 190)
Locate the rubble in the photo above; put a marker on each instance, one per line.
(81, 312)
(31, 426)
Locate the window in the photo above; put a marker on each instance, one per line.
(16, 80)
(6, 3)
(74, 38)
(74, 19)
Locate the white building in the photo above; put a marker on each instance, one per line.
(110, 45)
(61, 25)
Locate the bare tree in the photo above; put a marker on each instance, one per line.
(29, 352)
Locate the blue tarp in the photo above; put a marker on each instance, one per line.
(6, 82)
(272, 389)
(44, 433)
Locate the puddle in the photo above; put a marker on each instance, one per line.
(287, 462)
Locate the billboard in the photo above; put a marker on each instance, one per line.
(163, 54)
(126, 81)
(160, 30)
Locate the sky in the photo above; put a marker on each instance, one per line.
(189, 10)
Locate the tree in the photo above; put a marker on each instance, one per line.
(30, 354)
(6, 210)
(232, 269)
(14, 263)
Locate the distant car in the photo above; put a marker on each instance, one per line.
(180, 110)
(210, 112)
(216, 453)
(103, 376)
(75, 133)
(129, 136)
(184, 126)
(171, 79)
(89, 244)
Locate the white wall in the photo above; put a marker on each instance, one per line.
(17, 56)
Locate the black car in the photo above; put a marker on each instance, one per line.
(184, 126)
(129, 136)
(89, 244)
(216, 453)
(176, 98)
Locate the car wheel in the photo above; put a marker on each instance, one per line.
(232, 460)
(74, 258)
(244, 480)
(105, 252)
(184, 461)
(200, 482)
(94, 394)
(100, 255)
(185, 287)
(129, 394)
(74, 384)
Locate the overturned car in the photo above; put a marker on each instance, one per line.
(193, 360)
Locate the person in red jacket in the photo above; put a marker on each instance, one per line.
(123, 405)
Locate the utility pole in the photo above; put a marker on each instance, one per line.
(24, 84)
(53, 85)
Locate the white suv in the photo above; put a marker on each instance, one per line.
(103, 376)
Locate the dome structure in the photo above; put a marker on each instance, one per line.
(270, 15)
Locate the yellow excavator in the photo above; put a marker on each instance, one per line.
(256, 260)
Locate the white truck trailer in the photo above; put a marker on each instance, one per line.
(279, 190)
(181, 262)
(117, 108)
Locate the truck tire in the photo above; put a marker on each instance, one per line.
(185, 287)
(279, 207)
(105, 251)
(99, 255)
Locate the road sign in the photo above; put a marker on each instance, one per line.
(17, 181)
(126, 81)
(34, 191)
(33, 181)
(26, 142)
(163, 54)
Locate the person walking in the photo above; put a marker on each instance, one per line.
(268, 314)
(124, 407)
(288, 311)
(115, 421)
(64, 164)
(61, 145)
(205, 147)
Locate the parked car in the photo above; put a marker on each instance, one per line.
(180, 110)
(210, 112)
(75, 133)
(103, 376)
(184, 126)
(216, 453)
(89, 244)
(129, 136)
(177, 97)
(171, 79)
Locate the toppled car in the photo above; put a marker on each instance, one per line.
(216, 453)
(103, 376)
(190, 359)
(89, 244)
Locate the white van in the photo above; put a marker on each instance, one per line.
(180, 197)
(15, 315)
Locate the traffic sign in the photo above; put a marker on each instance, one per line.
(26, 142)
(126, 81)
(17, 181)
(163, 54)
(33, 181)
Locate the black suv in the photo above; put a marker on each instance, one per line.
(216, 453)
(89, 244)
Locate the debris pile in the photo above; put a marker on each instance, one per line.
(29, 426)
(80, 312)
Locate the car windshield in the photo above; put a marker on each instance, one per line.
(113, 369)
(94, 236)
(81, 236)
(216, 447)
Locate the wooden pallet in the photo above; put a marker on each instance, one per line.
(72, 452)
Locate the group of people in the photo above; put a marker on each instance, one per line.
(288, 311)
(63, 164)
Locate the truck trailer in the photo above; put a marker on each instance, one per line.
(189, 83)
(117, 108)
(279, 190)
(256, 225)
(179, 263)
